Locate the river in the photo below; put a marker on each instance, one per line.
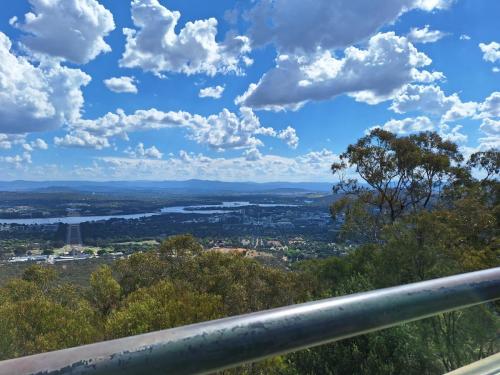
(201, 210)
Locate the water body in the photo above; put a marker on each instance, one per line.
(225, 207)
(216, 208)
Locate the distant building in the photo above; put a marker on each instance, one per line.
(29, 258)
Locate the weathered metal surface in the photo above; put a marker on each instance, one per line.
(486, 366)
(205, 347)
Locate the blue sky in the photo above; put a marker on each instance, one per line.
(234, 90)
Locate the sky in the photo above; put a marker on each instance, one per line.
(262, 90)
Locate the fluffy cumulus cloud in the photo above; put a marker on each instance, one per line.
(252, 154)
(489, 112)
(491, 106)
(37, 144)
(7, 141)
(289, 135)
(432, 100)
(452, 134)
(156, 46)
(17, 160)
(418, 124)
(73, 30)
(313, 166)
(491, 51)
(121, 84)
(37, 97)
(491, 134)
(211, 92)
(141, 152)
(369, 75)
(305, 25)
(222, 131)
(82, 139)
(408, 125)
(425, 35)
(491, 127)
(227, 130)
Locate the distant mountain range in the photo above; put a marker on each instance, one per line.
(179, 187)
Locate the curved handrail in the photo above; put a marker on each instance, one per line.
(210, 346)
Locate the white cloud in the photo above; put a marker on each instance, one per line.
(489, 111)
(153, 153)
(491, 106)
(407, 125)
(459, 110)
(432, 100)
(488, 143)
(73, 30)
(156, 47)
(140, 152)
(495, 69)
(430, 5)
(17, 160)
(289, 135)
(491, 51)
(318, 159)
(27, 147)
(121, 84)
(226, 130)
(38, 144)
(425, 35)
(32, 171)
(369, 75)
(82, 139)
(296, 26)
(418, 124)
(312, 166)
(211, 92)
(490, 127)
(424, 76)
(230, 131)
(37, 98)
(491, 130)
(452, 133)
(253, 166)
(465, 37)
(9, 140)
(252, 154)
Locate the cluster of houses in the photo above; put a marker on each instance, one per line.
(51, 259)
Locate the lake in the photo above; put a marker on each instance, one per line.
(223, 208)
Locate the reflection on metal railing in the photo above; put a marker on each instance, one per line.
(486, 366)
(206, 347)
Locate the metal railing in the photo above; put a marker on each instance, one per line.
(486, 366)
(210, 346)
